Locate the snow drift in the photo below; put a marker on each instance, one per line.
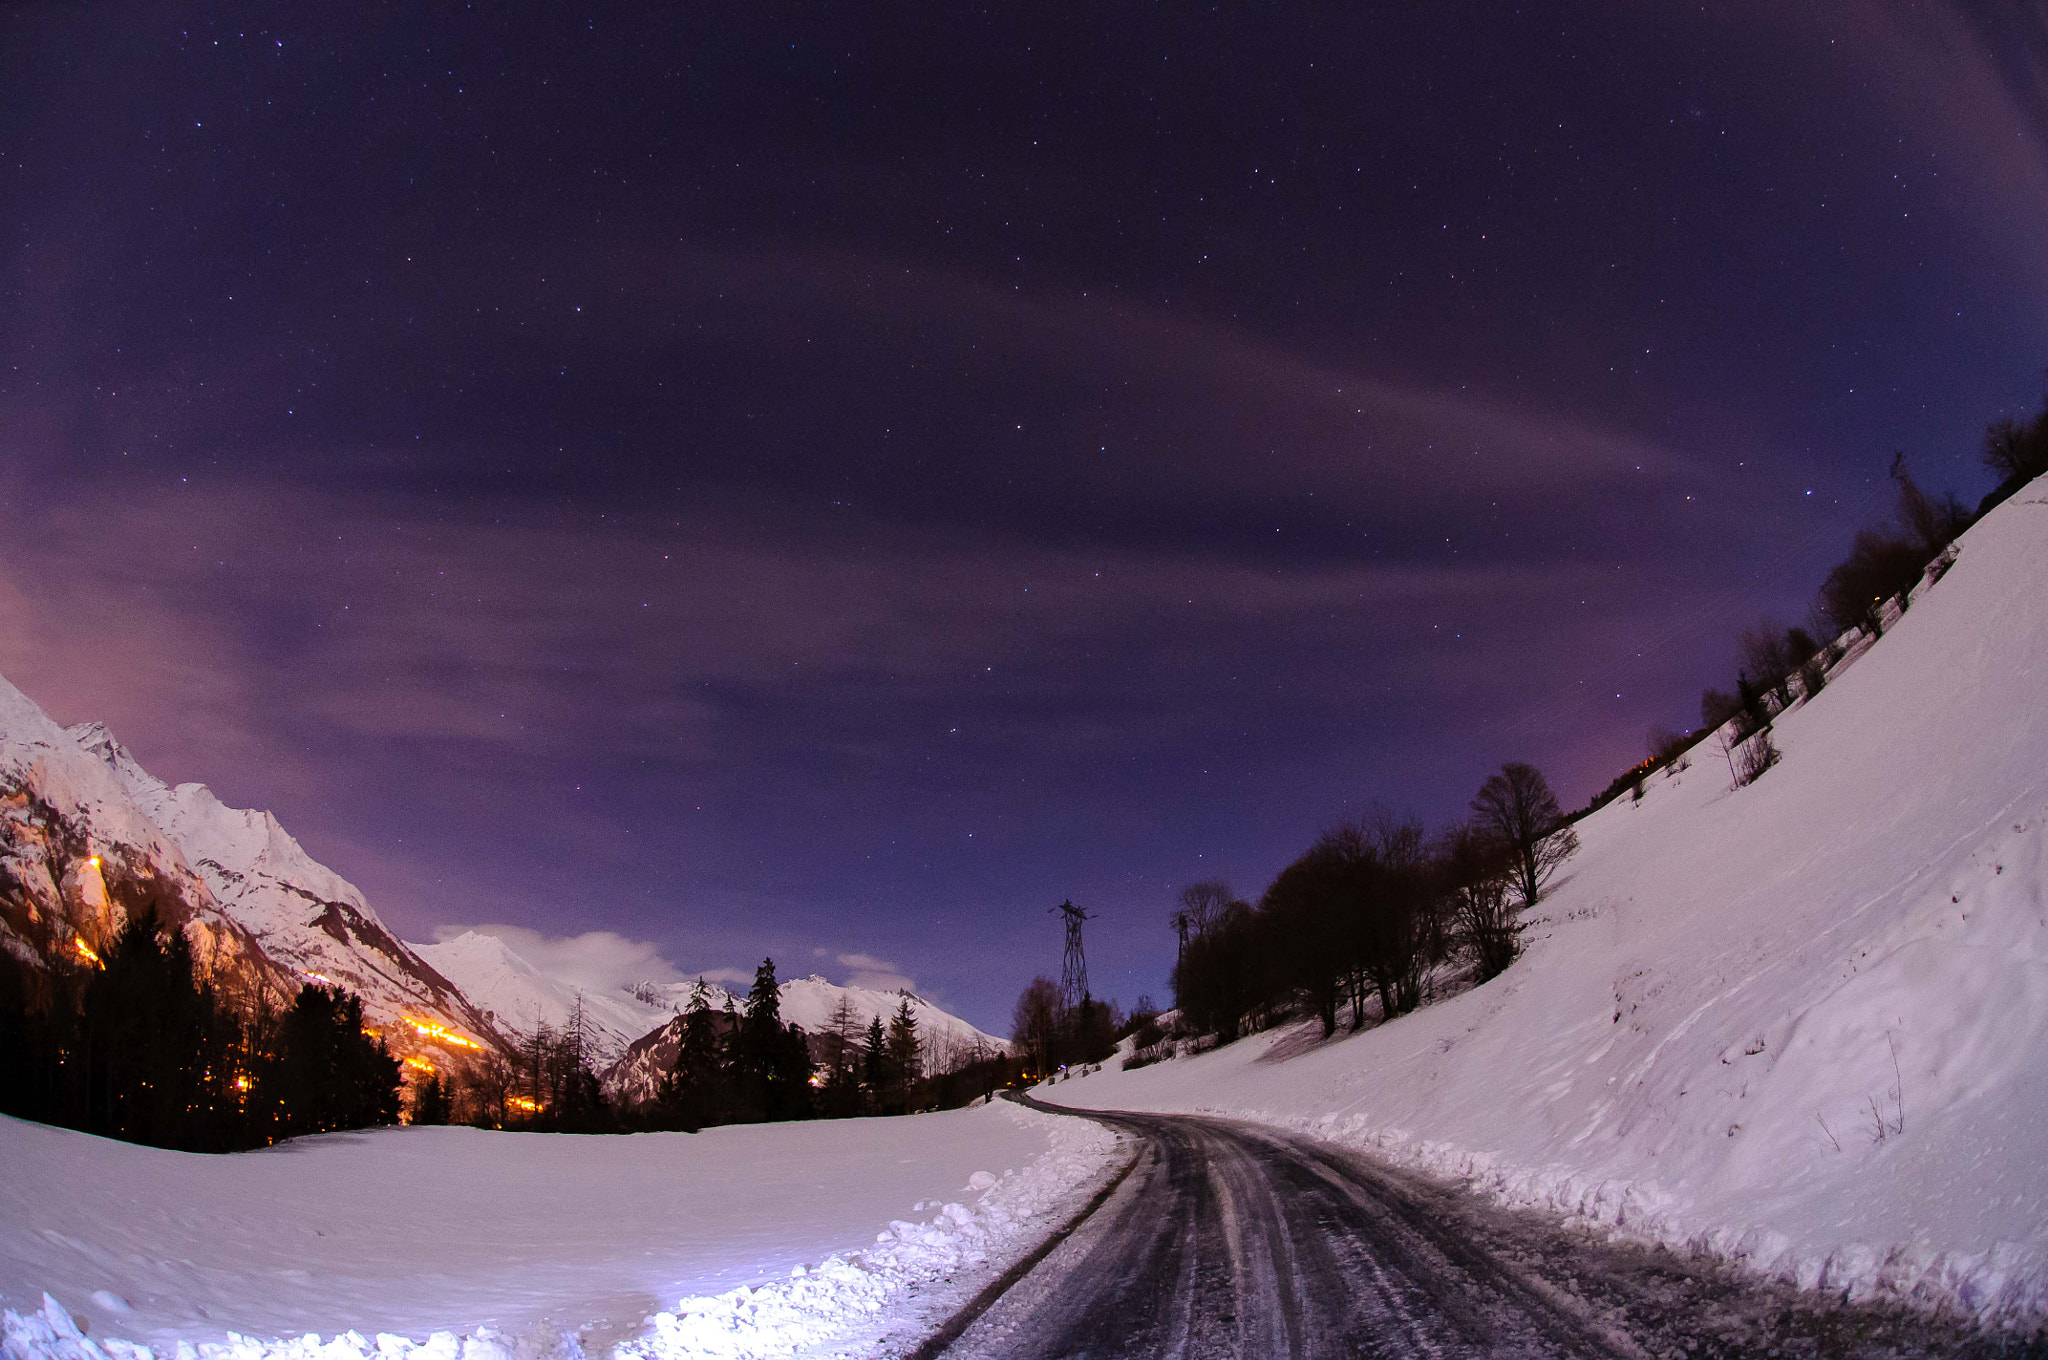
(1801, 1024)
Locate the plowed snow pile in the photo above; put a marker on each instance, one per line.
(1698, 1047)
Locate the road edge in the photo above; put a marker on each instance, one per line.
(956, 1326)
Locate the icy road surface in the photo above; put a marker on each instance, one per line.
(1236, 1239)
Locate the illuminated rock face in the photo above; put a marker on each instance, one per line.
(89, 838)
(78, 858)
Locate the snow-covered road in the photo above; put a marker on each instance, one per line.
(1236, 1239)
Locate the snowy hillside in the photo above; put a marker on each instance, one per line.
(811, 1002)
(87, 835)
(1803, 1024)
(518, 998)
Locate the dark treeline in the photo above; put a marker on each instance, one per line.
(733, 1065)
(1361, 922)
(1050, 1033)
(139, 1044)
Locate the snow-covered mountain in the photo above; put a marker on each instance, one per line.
(517, 998)
(811, 1002)
(87, 837)
(78, 857)
(630, 1029)
(308, 918)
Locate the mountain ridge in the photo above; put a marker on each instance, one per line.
(89, 837)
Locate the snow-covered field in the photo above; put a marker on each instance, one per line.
(1698, 1048)
(458, 1244)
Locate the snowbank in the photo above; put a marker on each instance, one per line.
(499, 1246)
(830, 1302)
(1801, 1025)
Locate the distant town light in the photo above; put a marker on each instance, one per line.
(442, 1034)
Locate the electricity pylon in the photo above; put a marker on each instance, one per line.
(1074, 967)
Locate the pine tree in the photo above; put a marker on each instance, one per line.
(790, 1094)
(874, 1064)
(696, 1086)
(840, 1032)
(840, 1095)
(905, 1062)
(764, 1003)
(430, 1100)
(327, 1073)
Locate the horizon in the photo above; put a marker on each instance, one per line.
(702, 487)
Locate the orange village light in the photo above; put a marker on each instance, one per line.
(442, 1034)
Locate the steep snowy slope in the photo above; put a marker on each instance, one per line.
(517, 997)
(1802, 1023)
(77, 856)
(811, 1002)
(307, 918)
(87, 836)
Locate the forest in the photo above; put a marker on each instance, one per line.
(734, 1064)
(139, 1044)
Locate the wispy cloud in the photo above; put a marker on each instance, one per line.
(596, 960)
(878, 974)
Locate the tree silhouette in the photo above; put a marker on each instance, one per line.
(1517, 809)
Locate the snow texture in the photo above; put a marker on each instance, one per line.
(1801, 1025)
(749, 1240)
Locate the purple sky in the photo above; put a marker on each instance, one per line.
(803, 484)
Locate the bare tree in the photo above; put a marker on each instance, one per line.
(1475, 874)
(1767, 658)
(1204, 902)
(1517, 809)
(842, 1039)
(1035, 1023)
(2017, 451)
(1932, 521)
(1666, 746)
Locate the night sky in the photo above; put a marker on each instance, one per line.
(758, 479)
